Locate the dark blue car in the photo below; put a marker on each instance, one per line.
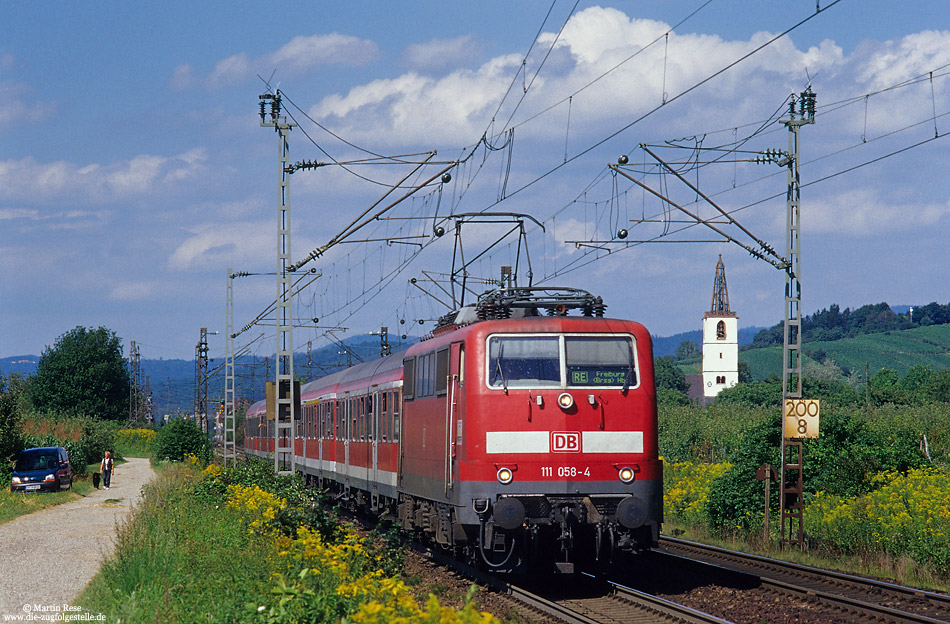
(46, 468)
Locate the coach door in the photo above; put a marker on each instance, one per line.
(449, 375)
(347, 405)
(374, 430)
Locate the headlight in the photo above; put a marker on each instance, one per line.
(16, 479)
(49, 478)
(505, 476)
(565, 400)
(627, 475)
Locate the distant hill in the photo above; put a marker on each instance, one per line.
(172, 382)
(667, 345)
(23, 364)
(898, 350)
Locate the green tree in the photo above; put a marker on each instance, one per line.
(687, 350)
(884, 387)
(667, 375)
(11, 388)
(84, 373)
(671, 386)
(736, 500)
(745, 374)
(181, 437)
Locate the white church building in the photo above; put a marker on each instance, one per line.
(720, 339)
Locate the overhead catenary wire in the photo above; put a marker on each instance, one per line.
(503, 196)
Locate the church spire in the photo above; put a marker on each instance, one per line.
(720, 297)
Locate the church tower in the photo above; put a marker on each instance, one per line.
(720, 339)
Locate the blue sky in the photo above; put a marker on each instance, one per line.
(134, 172)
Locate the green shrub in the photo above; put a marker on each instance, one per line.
(181, 437)
(11, 389)
(736, 498)
(710, 434)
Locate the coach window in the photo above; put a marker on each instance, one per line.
(442, 372)
(370, 416)
(384, 416)
(333, 425)
(367, 417)
(422, 373)
(363, 405)
(396, 404)
(374, 417)
(409, 377)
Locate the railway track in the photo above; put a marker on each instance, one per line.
(583, 599)
(858, 598)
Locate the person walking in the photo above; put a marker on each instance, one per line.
(106, 469)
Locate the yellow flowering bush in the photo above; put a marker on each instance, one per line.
(213, 472)
(377, 612)
(906, 514)
(321, 571)
(137, 441)
(259, 506)
(686, 490)
(329, 581)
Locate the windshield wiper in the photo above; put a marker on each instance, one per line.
(501, 372)
(627, 378)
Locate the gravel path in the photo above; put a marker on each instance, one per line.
(48, 557)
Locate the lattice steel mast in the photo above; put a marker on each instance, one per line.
(284, 404)
(228, 433)
(791, 509)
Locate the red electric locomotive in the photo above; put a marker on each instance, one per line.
(511, 436)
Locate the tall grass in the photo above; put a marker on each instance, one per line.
(180, 559)
(215, 546)
(135, 442)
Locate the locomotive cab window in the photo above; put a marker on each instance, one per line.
(523, 361)
(578, 360)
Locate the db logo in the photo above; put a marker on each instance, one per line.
(565, 441)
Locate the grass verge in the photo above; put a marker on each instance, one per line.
(243, 545)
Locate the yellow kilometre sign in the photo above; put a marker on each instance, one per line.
(801, 418)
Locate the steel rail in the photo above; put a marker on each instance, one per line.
(760, 567)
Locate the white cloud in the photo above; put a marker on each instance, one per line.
(218, 245)
(17, 105)
(304, 53)
(11, 214)
(414, 108)
(912, 55)
(230, 71)
(182, 78)
(864, 211)
(298, 56)
(133, 291)
(601, 57)
(440, 53)
(32, 181)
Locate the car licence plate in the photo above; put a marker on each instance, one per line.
(30, 488)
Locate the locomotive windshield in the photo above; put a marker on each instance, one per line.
(561, 361)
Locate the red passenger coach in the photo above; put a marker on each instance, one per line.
(510, 436)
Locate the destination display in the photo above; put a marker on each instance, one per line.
(591, 376)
